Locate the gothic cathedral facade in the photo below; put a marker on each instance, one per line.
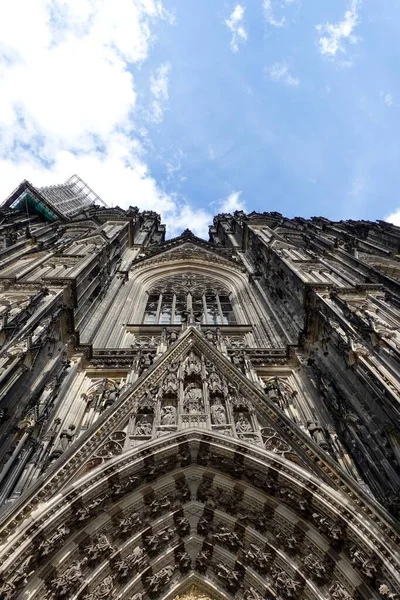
(190, 419)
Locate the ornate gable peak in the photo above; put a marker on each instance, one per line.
(189, 248)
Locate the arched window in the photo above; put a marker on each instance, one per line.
(189, 298)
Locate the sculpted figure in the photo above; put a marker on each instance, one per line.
(193, 365)
(184, 561)
(129, 524)
(338, 592)
(243, 424)
(193, 398)
(143, 426)
(48, 545)
(100, 546)
(218, 413)
(203, 560)
(168, 415)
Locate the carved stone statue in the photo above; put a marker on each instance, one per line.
(159, 580)
(184, 561)
(193, 365)
(98, 548)
(286, 584)
(193, 399)
(218, 413)
(243, 424)
(230, 577)
(48, 545)
(203, 560)
(257, 558)
(102, 591)
(129, 524)
(62, 585)
(214, 382)
(367, 565)
(315, 567)
(338, 592)
(386, 592)
(170, 384)
(143, 426)
(131, 563)
(168, 415)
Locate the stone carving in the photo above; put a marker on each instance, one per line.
(338, 592)
(170, 383)
(168, 415)
(102, 591)
(218, 413)
(157, 507)
(193, 399)
(203, 560)
(214, 382)
(19, 579)
(243, 424)
(184, 561)
(131, 563)
(289, 541)
(143, 426)
(257, 558)
(119, 488)
(63, 585)
(193, 365)
(98, 548)
(273, 442)
(252, 594)
(84, 512)
(159, 580)
(386, 592)
(47, 546)
(286, 585)
(317, 433)
(153, 542)
(231, 578)
(129, 524)
(368, 566)
(332, 530)
(226, 537)
(182, 526)
(314, 567)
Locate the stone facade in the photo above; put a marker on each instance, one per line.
(192, 419)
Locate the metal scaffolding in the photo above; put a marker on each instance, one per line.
(70, 197)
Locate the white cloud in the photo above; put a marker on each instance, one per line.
(159, 90)
(394, 218)
(280, 72)
(333, 36)
(269, 15)
(68, 100)
(232, 203)
(284, 7)
(235, 24)
(388, 100)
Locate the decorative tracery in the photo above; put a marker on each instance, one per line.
(189, 298)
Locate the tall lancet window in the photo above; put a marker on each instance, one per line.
(189, 298)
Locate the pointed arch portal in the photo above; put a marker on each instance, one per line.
(205, 512)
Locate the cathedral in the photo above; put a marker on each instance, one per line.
(183, 419)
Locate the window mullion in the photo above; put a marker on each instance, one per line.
(205, 309)
(159, 308)
(221, 317)
(173, 309)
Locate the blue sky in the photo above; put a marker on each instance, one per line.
(192, 107)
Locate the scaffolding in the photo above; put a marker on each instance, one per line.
(70, 197)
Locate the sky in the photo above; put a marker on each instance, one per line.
(196, 107)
